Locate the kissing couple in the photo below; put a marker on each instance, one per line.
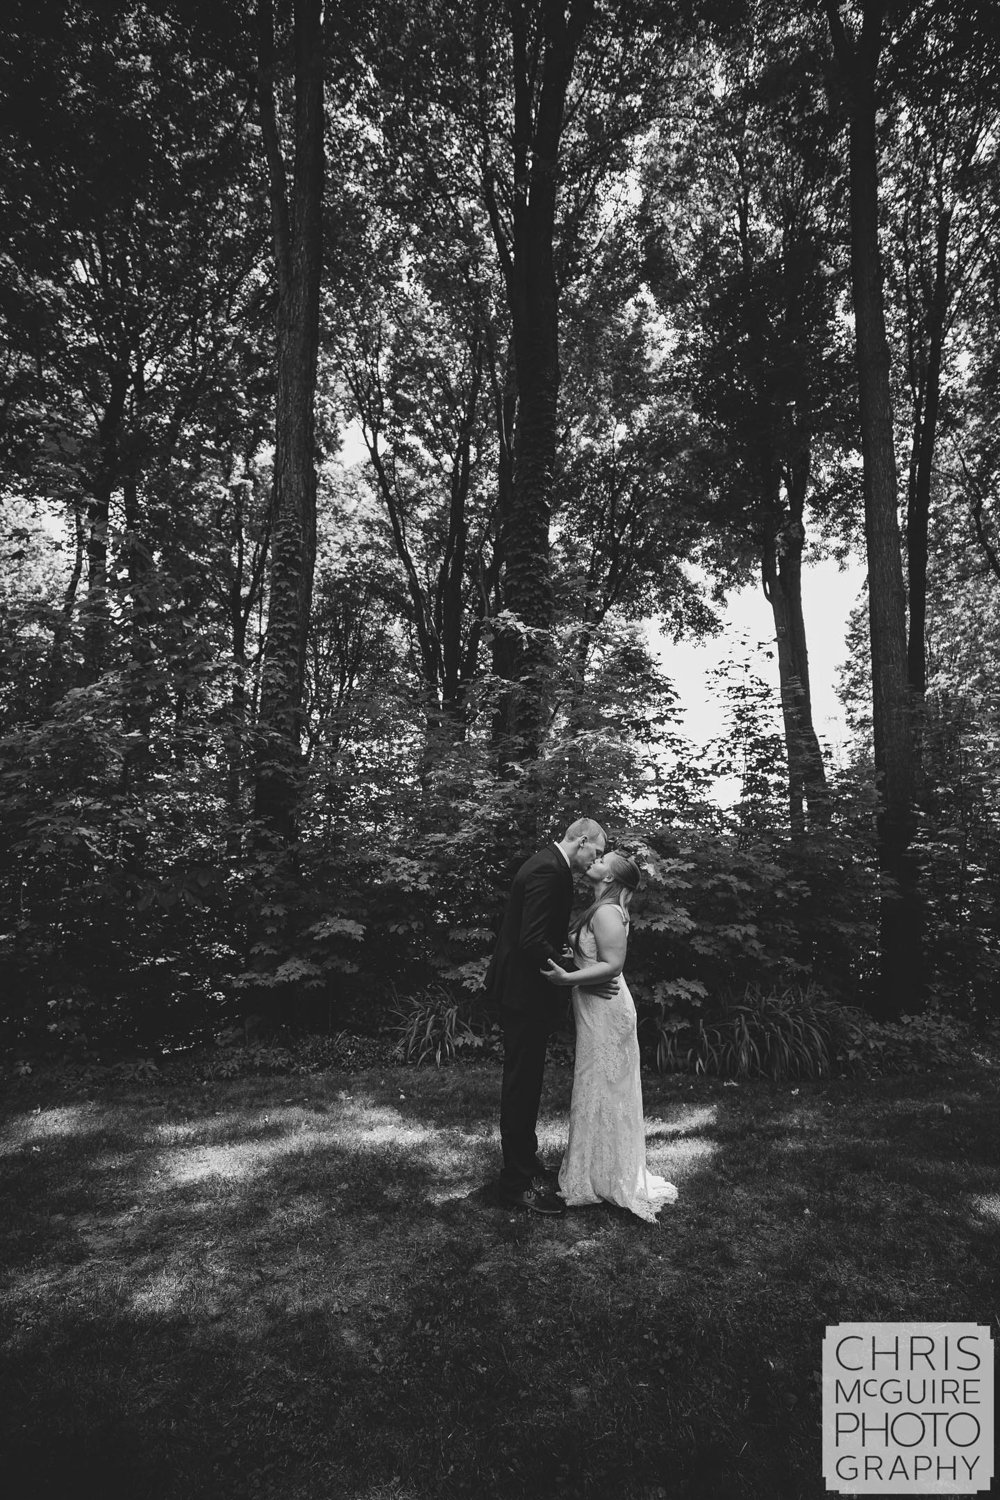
(539, 954)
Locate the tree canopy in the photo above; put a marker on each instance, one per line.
(380, 389)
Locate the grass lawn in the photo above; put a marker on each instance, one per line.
(303, 1289)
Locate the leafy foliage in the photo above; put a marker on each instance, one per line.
(700, 258)
(931, 1040)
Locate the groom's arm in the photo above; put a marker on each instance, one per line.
(536, 916)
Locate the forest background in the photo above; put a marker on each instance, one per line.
(621, 307)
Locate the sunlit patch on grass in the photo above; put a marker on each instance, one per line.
(688, 1122)
(161, 1294)
(174, 1134)
(681, 1158)
(359, 1127)
(381, 1131)
(221, 1125)
(458, 1189)
(987, 1206)
(381, 1126)
(65, 1120)
(233, 1162)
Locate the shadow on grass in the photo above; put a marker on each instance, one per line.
(308, 1290)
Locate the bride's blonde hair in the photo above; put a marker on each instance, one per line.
(625, 879)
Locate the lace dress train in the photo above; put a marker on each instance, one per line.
(605, 1159)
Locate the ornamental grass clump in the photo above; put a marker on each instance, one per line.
(778, 1034)
(430, 1026)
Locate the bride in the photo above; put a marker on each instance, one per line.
(606, 1156)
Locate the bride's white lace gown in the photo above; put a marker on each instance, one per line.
(605, 1159)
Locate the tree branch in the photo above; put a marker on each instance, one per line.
(976, 515)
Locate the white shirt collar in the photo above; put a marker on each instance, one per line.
(566, 858)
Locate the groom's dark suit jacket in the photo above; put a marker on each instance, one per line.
(534, 929)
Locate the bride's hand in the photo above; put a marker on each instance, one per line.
(555, 975)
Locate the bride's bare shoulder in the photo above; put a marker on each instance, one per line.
(608, 919)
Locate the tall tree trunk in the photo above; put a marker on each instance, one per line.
(245, 587)
(296, 210)
(135, 764)
(543, 56)
(450, 585)
(781, 574)
(95, 610)
(239, 614)
(504, 389)
(928, 401)
(234, 744)
(96, 615)
(57, 675)
(782, 543)
(900, 928)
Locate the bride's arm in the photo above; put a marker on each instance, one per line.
(611, 936)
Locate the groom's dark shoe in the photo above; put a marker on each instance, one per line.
(546, 1177)
(536, 1198)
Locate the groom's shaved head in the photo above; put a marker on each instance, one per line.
(584, 828)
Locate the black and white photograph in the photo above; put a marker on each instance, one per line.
(499, 749)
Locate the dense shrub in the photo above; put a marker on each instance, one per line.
(930, 1040)
(720, 913)
(141, 919)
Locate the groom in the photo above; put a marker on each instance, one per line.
(534, 930)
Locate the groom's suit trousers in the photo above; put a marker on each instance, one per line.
(533, 930)
(525, 1034)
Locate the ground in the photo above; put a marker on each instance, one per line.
(307, 1288)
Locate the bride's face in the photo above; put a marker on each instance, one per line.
(599, 874)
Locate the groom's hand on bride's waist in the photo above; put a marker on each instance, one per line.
(606, 990)
(564, 974)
